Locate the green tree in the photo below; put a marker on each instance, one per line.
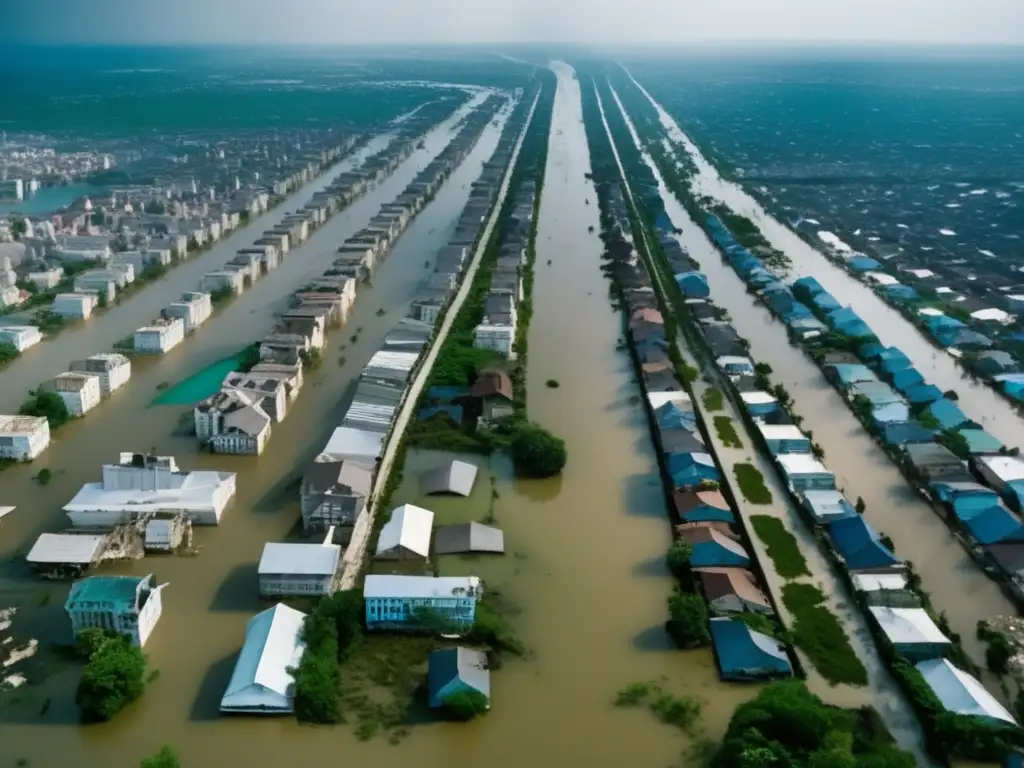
(114, 677)
(678, 560)
(165, 758)
(316, 687)
(861, 505)
(688, 619)
(249, 358)
(18, 228)
(49, 405)
(537, 453)
(464, 704)
(8, 352)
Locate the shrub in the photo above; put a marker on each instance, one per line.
(8, 352)
(330, 632)
(688, 620)
(727, 432)
(464, 704)
(165, 758)
(552, 384)
(751, 483)
(114, 676)
(537, 453)
(782, 547)
(48, 405)
(818, 632)
(713, 400)
(249, 358)
(678, 561)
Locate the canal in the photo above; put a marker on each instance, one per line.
(977, 400)
(957, 586)
(213, 594)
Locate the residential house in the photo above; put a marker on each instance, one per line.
(947, 414)
(193, 309)
(20, 336)
(784, 438)
(299, 570)
(860, 547)
(160, 337)
(399, 602)
(128, 605)
(457, 670)
(931, 462)
(493, 389)
(334, 493)
(963, 695)
(760, 405)
(711, 548)
(262, 681)
(23, 438)
(79, 391)
(407, 534)
(732, 590)
(911, 632)
(805, 473)
(692, 469)
(734, 365)
(233, 421)
(113, 370)
(696, 506)
(75, 305)
(221, 280)
(744, 654)
(826, 506)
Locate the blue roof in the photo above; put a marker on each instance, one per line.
(671, 416)
(859, 545)
(1014, 493)
(825, 301)
(942, 322)
(693, 284)
(851, 373)
(947, 413)
(980, 441)
(863, 263)
(844, 316)
(718, 553)
(891, 413)
(903, 433)
(901, 292)
(870, 351)
(692, 469)
(893, 359)
(806, 323)
(808, 284)
(742, 652)
(907, 378)
(798, 310)
(453, 669)
(878, 392)
(923, 393)
(956, 491)
(855, 329)
(994, 525)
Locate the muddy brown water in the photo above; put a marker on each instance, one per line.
(956, 584)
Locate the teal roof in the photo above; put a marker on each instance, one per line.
(947, 414)
(114, 592)
(980, 441)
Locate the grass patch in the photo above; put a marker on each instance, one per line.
(713, 400)
(817, 632)
(727, 432)
(751, 483)
(682, 712)
(782, 546)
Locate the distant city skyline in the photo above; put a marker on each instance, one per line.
(627, 22)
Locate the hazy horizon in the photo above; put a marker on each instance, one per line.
(628, 23)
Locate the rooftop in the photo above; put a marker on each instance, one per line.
(300, 559)
(453, 476)
(410, 528)
(907, 626)
(21, 425)
(377, 586)
(55, 548)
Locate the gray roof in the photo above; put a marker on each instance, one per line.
(346, 476)
(465, 664)
(300, 559)
(451, 477)
(468, 537)
(56, 548)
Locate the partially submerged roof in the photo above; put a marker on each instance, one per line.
(409, 528)
(961, 693)
(391, 585)
(349, 443)
(467, 666)
(451, 477)
(908, 626)
(107, 593)
(300, 559)
(346, 476)
(726, 582)
(859, 545)
(827, 506)
(468, 537)
(743, 652)
(70, 548)
(261, 681)
(492, 383)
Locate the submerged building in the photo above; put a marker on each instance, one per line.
(128, 605)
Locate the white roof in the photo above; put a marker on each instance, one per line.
(880, 278)
(961, 693)
(65, 548)
(907, 626)
(944, 289)
(1006, 468)
(419, 586)
(878, 582)
(930, 312)
(725, 360)
(196, 493)
(398, 361)
(300, 559)
(801, 464)
(261, 681)
(409, 527)
(997, 315)
(757, 398)
(349, 443)
(826, 504)
(781, 432)
(658, 399)
(921, 274)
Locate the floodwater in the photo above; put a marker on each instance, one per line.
(977, 400)
(957, 586)
(211, 596)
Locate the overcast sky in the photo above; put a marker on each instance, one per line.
(485, 21)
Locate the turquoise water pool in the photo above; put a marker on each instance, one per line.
(199, 386)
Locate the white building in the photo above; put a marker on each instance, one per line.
(194, 309)
(46, 279)
(113, 370)
(999, 471)
(140, 485)
(299, 570)
(261, 682)
(233, 421)
(23, 437)
(911, 631)
(500, 338)
(160, 337)
(406, 535)
(129, 605)
(79, 391)
(78, 305)
(84, 247)
(219, 280)
(21, 336)
(98, 282)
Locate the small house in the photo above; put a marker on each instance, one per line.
(732, 590)
(911, 631)
(129, 605)
(451, 478)
(805, 473)
(299, 570)
(759, 404)
(826, 506)
(493, 389)
(398, 602)
(712, 549)
(744, 654)
(334, 493)
(734, 365)
(696, 506)
(784, 438)
(469, 538)
(456, 670)
(680, 440)
(859, 545)
(689, 469)
(961, 694)
(406, 536)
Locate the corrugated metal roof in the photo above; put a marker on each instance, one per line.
(261, 680)
(859, 545)
(373, 416)
(468, 537)
(827, 506)
(451, 477)
(961, 693)
(56, 548)
(907, 626)
(391, 586)
(300, 559)
(741, 651)
(409, 528)
(348, 443)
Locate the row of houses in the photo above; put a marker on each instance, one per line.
(879, 578)
(722, 566)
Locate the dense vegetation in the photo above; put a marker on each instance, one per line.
(331, 631)
(819, 634)
(114, 675)
(782, 547)
(165, 758)
(464, 704)
(726, 431)
(536, 452)
(786, 726)
(751, 483)
(48, 405)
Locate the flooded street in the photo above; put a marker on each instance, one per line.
(212, 595)
(977, 400)
(957, 586)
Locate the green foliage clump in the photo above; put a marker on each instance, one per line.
(249, 358)
(678, 561)
(165, 758)
(713, 399)
(537, 453)
(727, 432)
(464, 704)
(114, 675)
(682, 712)
(751, 483)
(48, 405)
(817, 631)
(8, 352)
(782, 547)
(688, 620)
